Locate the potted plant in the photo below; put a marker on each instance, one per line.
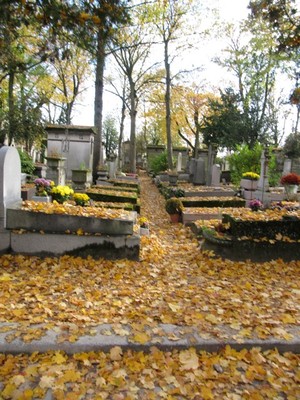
(61, 193)
(81, 199)
(144, 226)
(290, 182)
(255, 205)
(43, 189)
(249, 180)
(174, 208)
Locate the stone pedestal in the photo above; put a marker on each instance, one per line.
(56, 170)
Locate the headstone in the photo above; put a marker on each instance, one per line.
(192, 169)
(287, 166)
(263, 182)
(263, 190)
(10, 188)
(199, 175)
(216, 175)
(112, 168)
(179, 162)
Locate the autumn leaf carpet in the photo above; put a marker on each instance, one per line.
(178, 324)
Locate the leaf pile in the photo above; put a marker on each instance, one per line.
(70, 209)
(246, 214)
(174, 283)
(186, 374)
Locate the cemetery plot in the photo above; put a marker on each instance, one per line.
(50, 217)
(192, 214)
(259, 236)
(213, 202)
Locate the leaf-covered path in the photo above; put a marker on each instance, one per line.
(173, 283)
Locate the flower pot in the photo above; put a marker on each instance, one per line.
(291, 191)
(248, 184)
(42, 199)
(175, 218)
(144, 231)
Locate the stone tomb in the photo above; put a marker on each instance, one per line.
(45, 235)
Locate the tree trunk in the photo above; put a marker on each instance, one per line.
(132, 145)
(168, 107)
(11, 108)
(120, 161)
(98, 104)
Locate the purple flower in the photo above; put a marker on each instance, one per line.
(255, 204)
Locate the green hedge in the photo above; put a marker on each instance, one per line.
(260, 229)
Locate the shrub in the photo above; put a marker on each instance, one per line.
(159, 163)
(174, 206)
(27, 164)
(244, 160)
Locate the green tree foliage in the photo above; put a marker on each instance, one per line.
(110, 136)
(244, 159)
(225, 125)
(159, 163)
(27, 164)
(88, 24)
(283, 18)
(291, 146)
(252, 58)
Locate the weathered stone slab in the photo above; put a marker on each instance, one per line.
(218, 192)
(38, 221)
(54, 245)
(190, 217)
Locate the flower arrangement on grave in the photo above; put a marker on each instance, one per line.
(61, 193)
(43, 187)
(252, 176)
(81, 199)
(290, 179)
(143, 222)
(255, 205)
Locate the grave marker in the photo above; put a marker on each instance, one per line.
(10, 188)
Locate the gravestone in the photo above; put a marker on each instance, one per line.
(179, 162)
(112, 169)
(10, 188)
(287, 166)
(216, 175)
(199, 174)
(263, 189)
(263, 182)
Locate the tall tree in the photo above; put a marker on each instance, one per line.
(132, 51)
(190, 105)
(169, 18)
(110, 136)
(254, 62)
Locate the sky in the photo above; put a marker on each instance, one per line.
(229, 10)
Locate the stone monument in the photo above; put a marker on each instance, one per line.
(10, 188)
